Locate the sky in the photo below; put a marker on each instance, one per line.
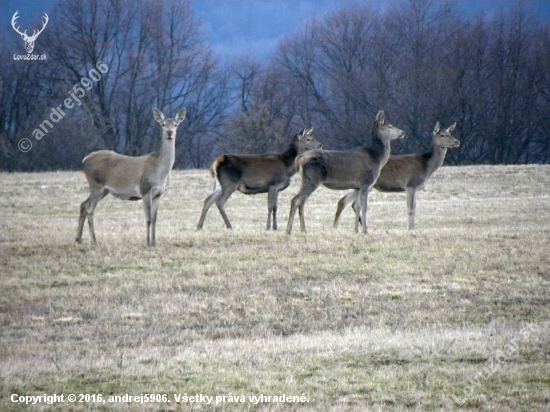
(243, 27)
(237, 28)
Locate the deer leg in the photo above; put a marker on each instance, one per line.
(411, 206)
(208, 202)
(90, 212)
(297, 202)
(275, 214)
(357, 209)
(81, 220)
(302, 218)
(272, 207)
(154, 209)
(147, 206)
(87, 210)
(293, 206)
(363, 207)
(349, 197)
(221, 202)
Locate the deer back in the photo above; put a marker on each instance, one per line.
(253, 173)
(107, 168)
(336, 169)
(402, 171)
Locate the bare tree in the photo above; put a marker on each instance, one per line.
(255, 131)
(156, 56)
(423, 60)
(426, 60)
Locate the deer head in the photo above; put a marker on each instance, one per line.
(29, 40)
(443, 138)
(169, 126)
(304, 141)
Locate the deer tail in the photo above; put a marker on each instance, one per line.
(93, 154)
(214, 168)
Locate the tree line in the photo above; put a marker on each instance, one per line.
(421, 60)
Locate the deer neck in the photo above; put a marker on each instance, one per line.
(167, 155)
(290, 154)
(436, 159)
(380, 149)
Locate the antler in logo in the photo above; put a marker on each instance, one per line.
(29, 40)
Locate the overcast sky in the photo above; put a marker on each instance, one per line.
(241, 27)
(249, 27)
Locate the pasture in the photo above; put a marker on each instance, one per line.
(455, 312)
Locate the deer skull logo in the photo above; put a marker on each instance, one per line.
(29, 40)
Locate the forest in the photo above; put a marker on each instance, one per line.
(422, 61)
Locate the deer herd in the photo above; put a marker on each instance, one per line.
(357, 170)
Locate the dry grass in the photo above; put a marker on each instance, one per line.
(394, 320)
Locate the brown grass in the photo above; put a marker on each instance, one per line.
(394, 320)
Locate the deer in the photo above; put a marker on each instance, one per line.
(29, 40)
(252, 174)
(131, 178)
(355, 169)
(408, 173)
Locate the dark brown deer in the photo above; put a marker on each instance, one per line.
(252, 174)
(408, 173)
(356, 169)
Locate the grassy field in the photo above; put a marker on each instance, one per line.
(452, 316)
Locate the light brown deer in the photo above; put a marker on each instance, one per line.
(253, 174)
(356, 169)
(408, 173)
(131, 178)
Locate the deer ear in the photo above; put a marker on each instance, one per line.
(381, 117)
(180, 117)
(437, 128)
(310, 131)
(302, 133)
(451, 128)
(159, 117)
